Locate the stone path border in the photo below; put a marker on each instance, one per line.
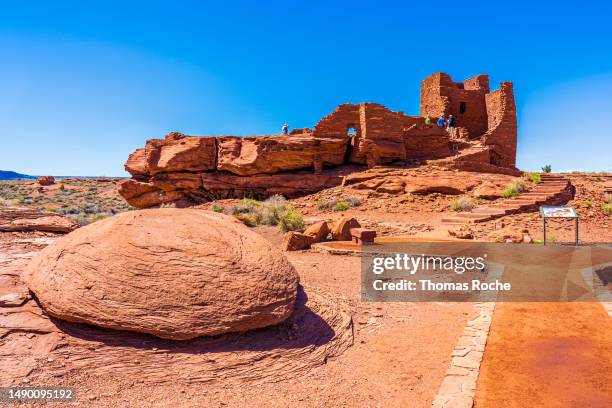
(459, 385)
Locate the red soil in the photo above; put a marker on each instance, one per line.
(547, 355)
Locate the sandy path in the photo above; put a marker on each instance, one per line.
(547, 355)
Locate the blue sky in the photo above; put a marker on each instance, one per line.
(82, 84)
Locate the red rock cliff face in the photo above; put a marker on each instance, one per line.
(184, 169)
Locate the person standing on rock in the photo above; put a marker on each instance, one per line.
(428, 121)
(285, 129)
(450, 125)
(441, 122)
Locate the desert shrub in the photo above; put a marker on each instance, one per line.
(607, 208)
(463, 204)
(536, 241)
(290, 220)
(509, 192)
(354, 201)
(271, 210)
(518, 185)
(84, 219)
(231, 210)
(52, 209)
(247, 205)
(217, 208)
(536, 178)
(547, 168)
(8, 202)
(341, 206)
(585, 204)
(326, 204)
(514, 189)
(168, 205)
(62, 187)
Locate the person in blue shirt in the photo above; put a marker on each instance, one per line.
(441, 122)
(285, 129)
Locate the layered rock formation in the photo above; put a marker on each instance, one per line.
(175, 274)
(185, 169)
(27, 219)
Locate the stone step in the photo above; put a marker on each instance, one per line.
(471, 215)
(489, 210)
(559, 185)
(523, 201)
(462, 220)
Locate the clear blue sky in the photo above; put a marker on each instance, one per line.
(82, 84)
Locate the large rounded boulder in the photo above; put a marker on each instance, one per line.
(172, 273)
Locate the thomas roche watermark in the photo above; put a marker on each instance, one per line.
(481, 272)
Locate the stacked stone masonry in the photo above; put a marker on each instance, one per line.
(185, 169)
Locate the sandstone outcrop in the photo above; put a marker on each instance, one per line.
(341, 230)
(296, 241)
(185, 169)
(395, 181)
(46, 180)
(27, 219)
(318, 231)
(175, 274)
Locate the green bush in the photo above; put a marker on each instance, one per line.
(290, 220)
(463, 204)
(514, 189)
(607, 208)
(509, 192)
(536, 178)
(342, 206)
(547, 168)
(217, 208)
(62, 187)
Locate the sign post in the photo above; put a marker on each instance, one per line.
(559, 212)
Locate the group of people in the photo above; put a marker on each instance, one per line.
(442, 122)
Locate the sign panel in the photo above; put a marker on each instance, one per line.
(558, 212)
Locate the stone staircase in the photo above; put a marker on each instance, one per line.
(553, 190)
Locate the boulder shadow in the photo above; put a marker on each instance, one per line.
(304, 328)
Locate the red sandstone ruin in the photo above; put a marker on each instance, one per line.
(190, 169)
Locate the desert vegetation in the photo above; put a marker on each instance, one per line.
(514, 189)
(84, 200)
(341, 204)
(274, 211)
(606, 207)
(535, 177)
(463, 204)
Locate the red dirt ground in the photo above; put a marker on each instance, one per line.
(547, 355)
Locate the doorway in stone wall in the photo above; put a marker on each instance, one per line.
(462, 107)
(351, 132)
(494, 158)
